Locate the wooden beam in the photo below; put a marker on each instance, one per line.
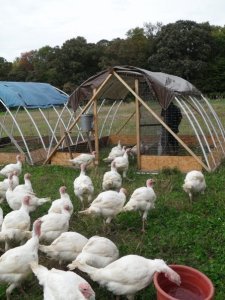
(137, 104)
(158, 163)
(77, 118)
(95, 110)
(162, 123)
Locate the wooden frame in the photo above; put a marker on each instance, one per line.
(144, 162)
(148, 163)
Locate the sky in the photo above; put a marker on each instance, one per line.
(32, 24)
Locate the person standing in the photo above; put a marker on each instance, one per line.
(172, 116)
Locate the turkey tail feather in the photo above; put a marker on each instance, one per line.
(85, 268)
(84, 212)
(43, 248)
(39, 271)
(44, 200)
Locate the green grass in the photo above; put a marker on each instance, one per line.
(177, 232)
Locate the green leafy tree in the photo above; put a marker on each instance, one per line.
(22, 67)
(111, 54)
(134, 50)
(214, 83)
(5, 68)
(78, 60)
(183, 49)
(151, 30)
(45, 63)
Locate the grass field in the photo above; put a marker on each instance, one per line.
(118, 115)
(177, 232)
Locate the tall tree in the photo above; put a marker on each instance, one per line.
(136, 48)
(214, 82)
(45, 63)
(78, 60)
(5, 68)
(183, 49)
(22, 66)
(111, 55)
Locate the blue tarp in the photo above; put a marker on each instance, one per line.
(30, 94)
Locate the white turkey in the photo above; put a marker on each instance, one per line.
(26, 186)
(122, 163)
(115, 152)
(194, 183)
(15, 263)
(107, 204)
(16, 225)
(66, 247)
(129, 274)
(143, 149)
(60, 284)
(142, 199)
(112, 180)
(58, 204)
(83, 187)
(5, 184)
(117, 147)
(84, 158)
(133, 151)
(53, 224)
(14, 198)
(10, 168)
(98, 252)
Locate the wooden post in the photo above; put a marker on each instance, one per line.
(95, 110)
(137, 104)
(163, 124)
(77, 119)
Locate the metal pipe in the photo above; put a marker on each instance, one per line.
(196, 132)
(61, 119)
(11, 138)
(209, 122)
(3, 123)
(35, 125)
(20, 131)
(215, 116)
(48, 124)
(103, 125)
(18, 108)
(110, 127)
(72, 118)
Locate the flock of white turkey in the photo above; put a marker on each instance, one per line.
(96, 256)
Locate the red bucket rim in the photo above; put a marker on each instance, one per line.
(209, 282)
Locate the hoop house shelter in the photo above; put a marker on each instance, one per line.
(133, 105)
(32, 117)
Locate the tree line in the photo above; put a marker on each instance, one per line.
(191, 50)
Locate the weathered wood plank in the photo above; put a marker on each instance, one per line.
(157, 163)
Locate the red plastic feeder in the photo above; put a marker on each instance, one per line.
(194, 285)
